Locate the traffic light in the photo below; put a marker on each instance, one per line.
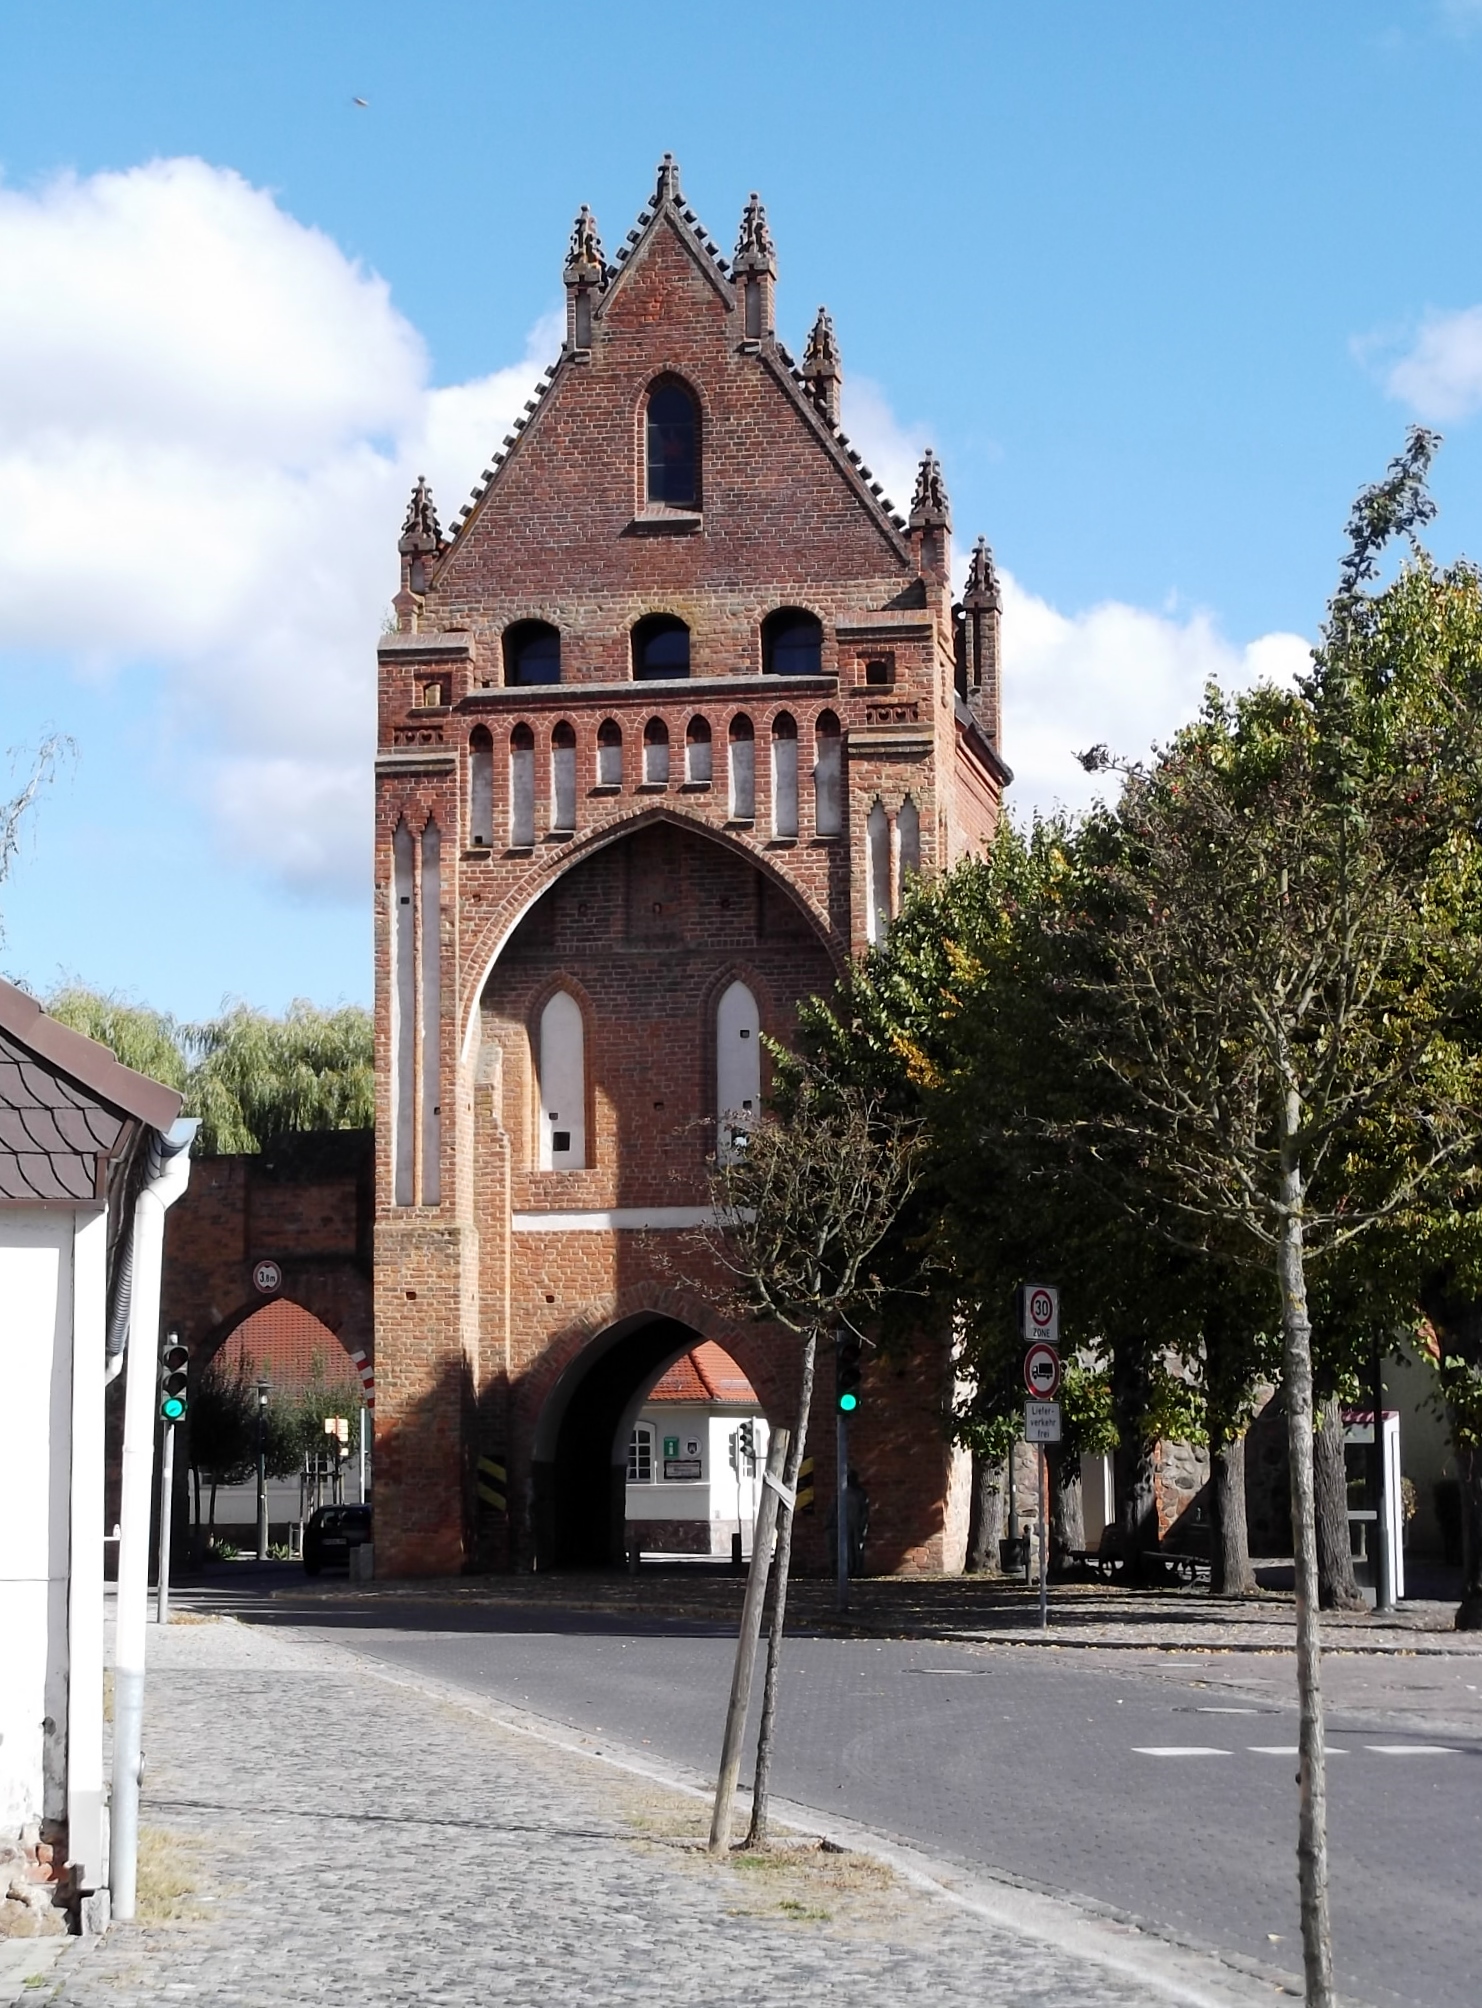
(174, 1379)
(746, 1444)
(847, 1374)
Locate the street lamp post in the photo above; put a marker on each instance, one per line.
(264, 1388)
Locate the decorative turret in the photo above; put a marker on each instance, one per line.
(931, 520)
(585, 275)
(420, 542)
(982, 609)
(668, 189)
(823, 372)
(755, 269)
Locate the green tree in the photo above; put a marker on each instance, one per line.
(1288, 1011)
(222, 1429)
(146, 1040)
(254, 1077)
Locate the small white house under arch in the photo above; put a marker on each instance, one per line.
(562, 1067)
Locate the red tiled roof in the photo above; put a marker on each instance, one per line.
(706, 1376)
(288, 1345)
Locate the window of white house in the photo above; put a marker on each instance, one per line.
(641, 1455)
(738, 1069)
(563, 1085)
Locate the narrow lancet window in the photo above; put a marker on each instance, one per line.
(877, 874)
(563, 779)
(697, 753)
(673, 438)
(742, 747)
(432, 1016)
(655, 753)
(908, 843)
(562, 1069)
(480, 788)
(784, 775)
(609, 754)
(738, 1069)
(521, 788)
(403, 1014)
(828, 784)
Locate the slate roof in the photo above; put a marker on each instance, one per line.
(66, 1105)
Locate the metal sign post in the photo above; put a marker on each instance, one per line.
(167, 1503)
(1040, 1318)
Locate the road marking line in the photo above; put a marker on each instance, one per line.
(1292, 1750)
(1178, 1750)
(1213, 1708)
(1413, 1749)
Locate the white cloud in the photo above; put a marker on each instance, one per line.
(1116, 675)
(209, 421)
(1440, 376)
(890, 448)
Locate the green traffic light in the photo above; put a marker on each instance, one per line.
(173, 1409)
(849, 1403)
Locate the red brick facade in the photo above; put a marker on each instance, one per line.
(522, 1313)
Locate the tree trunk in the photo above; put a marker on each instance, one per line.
(761, 1777)
(1230, 1572)
(1469, 1471)
(1136, 1496)
(987, 1523)
(1312, 1816)
(1067, 1508)
(1337, 1585)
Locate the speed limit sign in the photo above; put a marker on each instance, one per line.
(1041, 1313)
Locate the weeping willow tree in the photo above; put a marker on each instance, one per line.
(247, 1075)
(255, 1077)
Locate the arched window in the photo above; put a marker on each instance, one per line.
(828, 780)
(532, 653)
(563, 778)
(697, 753)
(609, 754)
(784, 775)
(480, 787)
(738, 1069)
(877, 874)
(563, 1085)
(792, 643)
(661, 648)
(521, 787)
(908, 833)
(655, 753)
(673, 438)
(641, 1454)
(743, 769)
(403, 1014)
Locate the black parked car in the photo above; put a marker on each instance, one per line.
(330, 1535)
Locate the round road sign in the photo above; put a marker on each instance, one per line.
(1041, 1308)
(267, 1277)
(1042, 1372)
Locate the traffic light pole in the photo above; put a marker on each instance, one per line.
(841, 1513)
(167, 1507)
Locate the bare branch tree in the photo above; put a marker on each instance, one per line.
(803, 1203)
(13, 812)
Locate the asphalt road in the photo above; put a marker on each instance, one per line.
(1164, 1788)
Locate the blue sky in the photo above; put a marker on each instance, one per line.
(1162, 284)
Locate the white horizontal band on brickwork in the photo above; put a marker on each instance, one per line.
(602, 1220)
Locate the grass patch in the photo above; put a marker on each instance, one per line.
(168, 1878)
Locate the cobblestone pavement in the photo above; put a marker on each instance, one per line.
(356, 1839)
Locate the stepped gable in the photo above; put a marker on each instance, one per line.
(667, 256)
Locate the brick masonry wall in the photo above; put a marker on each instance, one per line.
(650, 906)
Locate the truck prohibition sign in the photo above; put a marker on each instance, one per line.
(1042, 1372)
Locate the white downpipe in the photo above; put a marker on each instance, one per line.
(167, 1178)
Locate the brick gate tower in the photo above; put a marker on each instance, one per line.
(667, 721)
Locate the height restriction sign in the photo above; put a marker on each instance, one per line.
(1042, 1313)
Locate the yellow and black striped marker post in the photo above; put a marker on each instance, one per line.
(805, 1486)
(492, 1480)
